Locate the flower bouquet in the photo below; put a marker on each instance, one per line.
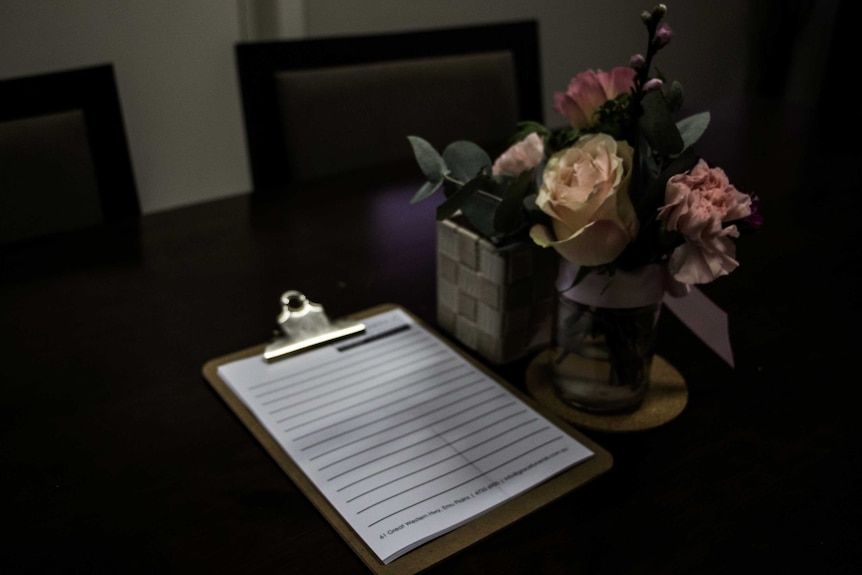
(620, 195)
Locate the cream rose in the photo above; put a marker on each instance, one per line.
(585, 191)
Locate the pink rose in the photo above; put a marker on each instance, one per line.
(697, 205)
(525, 155)
(589, 90)
(585, 190)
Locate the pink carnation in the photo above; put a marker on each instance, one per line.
(523, 156)
(589, 90)
(697, 204)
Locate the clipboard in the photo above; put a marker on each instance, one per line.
(447, 544)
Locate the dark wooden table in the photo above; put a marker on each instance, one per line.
(117, 457)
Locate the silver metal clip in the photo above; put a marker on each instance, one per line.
(303, 324)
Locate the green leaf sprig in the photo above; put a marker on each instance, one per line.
(494, 206)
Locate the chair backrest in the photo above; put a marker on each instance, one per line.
(64, 157)
(323, 106)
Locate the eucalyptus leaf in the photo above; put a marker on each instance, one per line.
(532, 209)
(457, 200)
(692, 128)
(654, 194)
(465, 160)
(673, 95)
(479, 210)
(509, 215)
(430, 161)
(658, 126)
(426, 190)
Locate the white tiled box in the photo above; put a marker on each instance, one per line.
(496, 300)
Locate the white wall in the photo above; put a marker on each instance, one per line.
(707, 54)
(175, 64)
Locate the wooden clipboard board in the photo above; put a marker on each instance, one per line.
(449, 543)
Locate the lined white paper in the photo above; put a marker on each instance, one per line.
(404, 437)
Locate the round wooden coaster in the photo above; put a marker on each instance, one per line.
(666, 398)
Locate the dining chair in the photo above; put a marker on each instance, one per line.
(318, 107)
(64, 158)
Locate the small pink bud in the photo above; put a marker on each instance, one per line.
(637, 61)
(663, 35)
(653, 85)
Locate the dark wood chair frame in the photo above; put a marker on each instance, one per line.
(257, 63)
(93, 90)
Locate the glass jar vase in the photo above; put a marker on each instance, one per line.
(604, 338)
